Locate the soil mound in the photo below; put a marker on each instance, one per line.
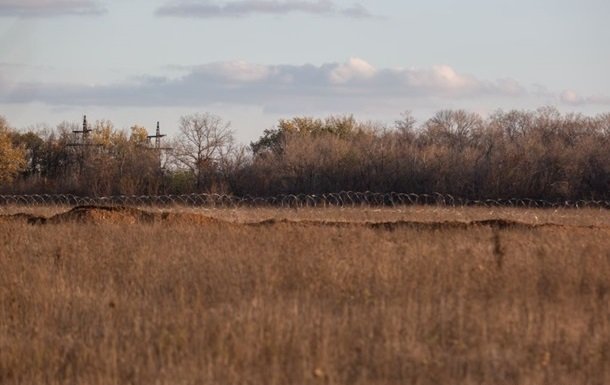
(493, 223)
(496, 224)
(102, 214)
(392, 226)
(125, 215)
(131, 215)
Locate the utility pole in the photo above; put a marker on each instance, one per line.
(157, 137)
(85, 131)
(85, 143)
(85, 135)
(157, 146)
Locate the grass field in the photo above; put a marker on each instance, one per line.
(418, 295)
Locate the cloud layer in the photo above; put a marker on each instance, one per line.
(350, 85)
(571, 97)
(41, 8)
(241, 8)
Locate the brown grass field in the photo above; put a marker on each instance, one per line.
(418, 295)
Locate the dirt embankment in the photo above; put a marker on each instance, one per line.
(131, 215)
(496, 224)
(110, 215)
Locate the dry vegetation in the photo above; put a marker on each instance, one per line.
(93, 299)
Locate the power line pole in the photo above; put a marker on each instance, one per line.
(157, 146)
(84, 143)
(157, 137)
(85, 131)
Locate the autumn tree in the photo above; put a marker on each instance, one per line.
(60, 162)
(12, 158)
(108, 162)
(274, 140)
(139, 135)
(123, 163)
(33, 146)
(138, 164)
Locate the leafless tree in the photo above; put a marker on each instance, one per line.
(405, 127)
(202, 144)
(453, 126)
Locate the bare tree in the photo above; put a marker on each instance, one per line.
(455, 127)
(202, 144)
(405, 127)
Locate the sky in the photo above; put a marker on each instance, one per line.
(253, 62)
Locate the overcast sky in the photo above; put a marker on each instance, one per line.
(254, 61)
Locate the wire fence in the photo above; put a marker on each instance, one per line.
(339, 199)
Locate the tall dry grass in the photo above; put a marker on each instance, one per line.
(303, 304)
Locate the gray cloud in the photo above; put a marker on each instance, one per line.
(357, 11)
(571, 97)
(352, 85)
(43, 8)
(240, 8)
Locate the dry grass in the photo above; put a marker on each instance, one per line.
(287, 303)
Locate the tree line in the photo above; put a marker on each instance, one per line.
(540, 154)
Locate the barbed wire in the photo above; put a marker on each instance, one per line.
(339, 199)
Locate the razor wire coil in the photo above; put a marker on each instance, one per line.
(337, 199)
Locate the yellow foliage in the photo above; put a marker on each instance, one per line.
(105, 134)
(139, 135)
(12, 158)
